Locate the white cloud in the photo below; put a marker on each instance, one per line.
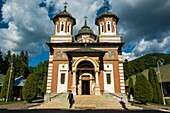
(29, 26)
(129, 56)
(145, 47)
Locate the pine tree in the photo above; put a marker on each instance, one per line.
(30, 89)
(143, 91)
(22, 56)
(5, 85)
(26, 58)
(23, 70)
(22, 65)
(1, 62)
(152, 76)
(7, 62)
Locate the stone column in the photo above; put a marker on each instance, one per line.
(73, 87)
(97, 78)
(97, 86)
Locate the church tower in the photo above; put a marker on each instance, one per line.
(64, 23)
(107, 23)
(107, 29)
(58, 61)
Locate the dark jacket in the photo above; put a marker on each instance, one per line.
(70, 96)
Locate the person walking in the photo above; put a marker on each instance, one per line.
(71, 99)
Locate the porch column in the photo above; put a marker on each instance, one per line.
(73, 87)
(97, 86)
(97, 78)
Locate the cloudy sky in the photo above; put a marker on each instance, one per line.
(26, 24)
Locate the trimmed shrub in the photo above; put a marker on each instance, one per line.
(152, 77)
(167, 101)
(130, 87)
(143, 91)
(30, 89)
(5, 85)
(44, 84)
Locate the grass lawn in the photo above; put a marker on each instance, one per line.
(167, 104)
(5, 103)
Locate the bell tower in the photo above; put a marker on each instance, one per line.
(64, 23)
(107, 23)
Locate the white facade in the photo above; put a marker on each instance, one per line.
(63, 70)
(109, 87)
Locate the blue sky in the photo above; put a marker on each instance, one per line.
(26, 24)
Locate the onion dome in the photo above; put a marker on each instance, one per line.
(64, 14)
(106, 13)
(85, 30)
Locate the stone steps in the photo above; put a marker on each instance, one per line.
(95, 102)
(105, 101)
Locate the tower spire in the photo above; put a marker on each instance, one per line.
(85, 20)
(65, 5)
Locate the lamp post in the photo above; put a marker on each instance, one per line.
(160, 63)
(9, 80)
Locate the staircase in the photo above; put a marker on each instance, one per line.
(105, 101)
(96, 102)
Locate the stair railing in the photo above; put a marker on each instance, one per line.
(57, 94)
(113, 94)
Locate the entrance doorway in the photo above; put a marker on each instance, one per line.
(85, 87)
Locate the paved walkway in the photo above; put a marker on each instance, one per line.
(87, 102)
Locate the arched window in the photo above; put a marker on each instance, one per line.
(62, 26)
(102, 28)
(68, 28)
(108, 26)
(114, 27)
(56, 28)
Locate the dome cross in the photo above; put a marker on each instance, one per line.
(85, 20)
(65, 5)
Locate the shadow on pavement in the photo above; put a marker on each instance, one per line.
(123, 105)
(77, 111)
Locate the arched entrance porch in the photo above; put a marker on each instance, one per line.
(85, 76)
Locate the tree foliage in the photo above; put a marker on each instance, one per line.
(153, 79)
(131, 87)
(30, 89)
(40, 71)
(7, 61)
(1, 62)
(5, 85)
(44, 84)
(128, 69)
(140, 64)
(143, 91)
(20, 63)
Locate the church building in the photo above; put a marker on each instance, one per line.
(86, 63)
